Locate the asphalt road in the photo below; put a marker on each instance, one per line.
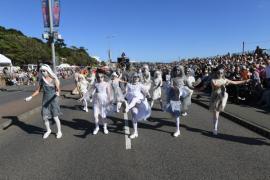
(236, 153)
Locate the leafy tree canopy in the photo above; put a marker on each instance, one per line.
(26, 50)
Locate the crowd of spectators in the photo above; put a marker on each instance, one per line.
(253, 66)
(29, 76)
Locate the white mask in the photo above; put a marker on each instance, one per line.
(45, 74)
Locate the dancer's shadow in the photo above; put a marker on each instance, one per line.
(71, 97)
(227, 137)
(75, 108)
(30, 129)
(156, 109)
(88, 127)
(80, 124)
(117, 126)
(66, 90)
(159, 124)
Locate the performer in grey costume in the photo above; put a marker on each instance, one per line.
(50, 85)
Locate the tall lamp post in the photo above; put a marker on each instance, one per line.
(51, 17)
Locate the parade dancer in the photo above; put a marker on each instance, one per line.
(146, 78)
(101, 102)
(174, 97)
(157, 89)
(190, 80)
(219, 96)
(118, 97)
(83, 86)
(137, 103)
(50, 85)
(76, 76)
(179, 80)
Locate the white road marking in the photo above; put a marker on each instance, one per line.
(127, 132)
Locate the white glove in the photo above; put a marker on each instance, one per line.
(28, 98)
(57, 93)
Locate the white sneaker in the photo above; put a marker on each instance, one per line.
(46, 134)
(95, 130)
(106, 131)
(86, 109)
(184, 114)
(133, 136)
(215, 132)
(59, 135)
(176, 134)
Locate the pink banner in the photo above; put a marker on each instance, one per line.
(45, 13)
(56, 13)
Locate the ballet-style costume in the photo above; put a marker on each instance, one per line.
(146, 81)
(101, 104)
(157, 84)
(138, 104)
(181, 83)
(118, 97)
(187, 101)
(174, 97)
(83, 85)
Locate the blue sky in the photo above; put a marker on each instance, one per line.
(154, 30)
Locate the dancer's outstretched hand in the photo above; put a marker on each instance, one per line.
(57, 93)
(28, 98)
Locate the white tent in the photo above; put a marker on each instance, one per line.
(5, 60)
(64, 66)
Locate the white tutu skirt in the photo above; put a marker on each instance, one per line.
(156, 93)
(86, 96)
(141, 111)
(101, 105)
(174, 108)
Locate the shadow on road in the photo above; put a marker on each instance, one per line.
(80, 124)
(159, 123)
(88, 127)
(75, 108)
(227, 137)
(156, 109)
(30, 129)
(117, 126)
(70, 97)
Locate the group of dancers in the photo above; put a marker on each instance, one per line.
(132, 94)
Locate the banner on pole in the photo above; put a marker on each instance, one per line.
(56, 13)
(45, 13)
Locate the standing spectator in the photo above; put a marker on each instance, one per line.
(267, 73)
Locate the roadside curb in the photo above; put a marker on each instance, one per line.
(22, 117)
(243, 122)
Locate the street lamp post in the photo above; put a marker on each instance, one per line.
(52, 35)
